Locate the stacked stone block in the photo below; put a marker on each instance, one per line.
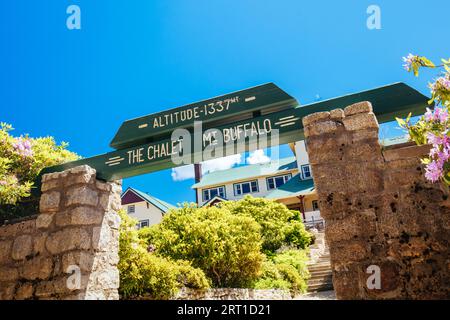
(70, 250)
(379, 209)
(232, 294)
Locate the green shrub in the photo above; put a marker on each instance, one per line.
(279, 225)
(292, 276)
(22, 159)
(297, 235)
(286, 270)
(271, 278)
(272, 283)
(227, 247)
(146, 273)
(296, 258)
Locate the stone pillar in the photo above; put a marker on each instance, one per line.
(381, 214)
(70, 250)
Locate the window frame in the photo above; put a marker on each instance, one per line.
(143, 221)
(289, 175)
(131, 211)
(303, 172)
(208, 190)
(316, 202)
(239, 184)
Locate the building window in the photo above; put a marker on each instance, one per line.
(245, 187)
(315, 205)
(306, 171)
(278, 181)
(143, 224)
(208, 194)
(131, 209)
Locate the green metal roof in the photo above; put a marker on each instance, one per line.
(293, 188)
(246, 172)
(164, 206)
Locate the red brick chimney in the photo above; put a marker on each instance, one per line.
(198, 172)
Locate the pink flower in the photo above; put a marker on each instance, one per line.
(441, 83)
(408, 60)
(23, 147)
(443, 156)
(429, 115)
(439, 114)
(3, 183)
(433, 139)
(434, 171)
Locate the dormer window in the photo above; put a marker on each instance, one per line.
(306, 171)
(278, 181)
(208, 194)
(245, 187)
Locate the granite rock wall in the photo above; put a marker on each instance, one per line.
(70, 249)
(388, 229)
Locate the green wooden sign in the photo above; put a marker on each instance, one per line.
(157, 155)
(247, 134)
(236, 105)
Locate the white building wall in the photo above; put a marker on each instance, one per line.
(301, 154)
(312, 216)
(229, 188)
(145, 211)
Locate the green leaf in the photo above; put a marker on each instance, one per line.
(401, 122)
(426, 62)
(415, 68)
(446, 180)
(408, 117)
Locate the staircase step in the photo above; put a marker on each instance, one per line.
(319, 268)
(319, 263)
(321, 273)
(312, 282)
(319, 282)
(326, 277)
(325, 287)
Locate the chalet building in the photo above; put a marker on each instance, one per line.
(143, 207)
(288, 180)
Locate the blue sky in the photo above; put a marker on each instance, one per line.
(132, 58)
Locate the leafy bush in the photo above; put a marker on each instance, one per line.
(227, 247)
(21, 160)
(295, 258)
(279, 225)
(226, 242)
(142, 272)
(296, 235)
(433, 127)
(286, 270)
(291, 275)
(271, 278)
